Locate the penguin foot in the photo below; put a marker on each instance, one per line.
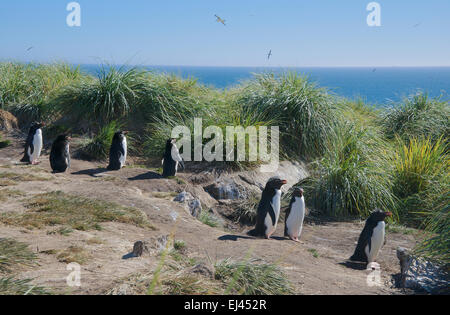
(373, 266)
(35, 163)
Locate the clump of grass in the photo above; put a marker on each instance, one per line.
(179, 245)
(421, 172)
(98, 147)
(245, 212)
(110, 97)
(418, 116)
(14, 254)
(74, 254)
(208, 219)
(307, 115)
(26, 88)
(353, 176)
(11, 286)
(5, 194)
(314, 252)
(11, 179)
(436, 244)
(78, 213)
(251, 278)
(4, 143)
(189, 285)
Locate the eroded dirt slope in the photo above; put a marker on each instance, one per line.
(315, 266)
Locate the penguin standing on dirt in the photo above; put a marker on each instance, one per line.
(118, 151)
(33, 144)
(295, 214)
(371, 239)
(268, 211)
(60, 154)
(172, 159)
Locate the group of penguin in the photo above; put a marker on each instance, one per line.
(370, 242)
(60, 152)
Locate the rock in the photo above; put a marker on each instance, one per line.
(242, 185)
(8, 121)
(193, 205)
(420, 274)
(204, 269)
(140, 248)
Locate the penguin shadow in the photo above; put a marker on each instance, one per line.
(354, 265)
(129, 256)
(94, 172)
(146, 176)
(235, 238)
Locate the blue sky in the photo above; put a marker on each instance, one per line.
(184, 32)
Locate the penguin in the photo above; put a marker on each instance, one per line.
(172, 159)
(295, 214)
(371, 239)
(60, 154)
(268, 211)
(33, 144)
(118, 151)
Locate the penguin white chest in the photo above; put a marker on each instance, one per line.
(377, 241)
(37, 145)
(123, 157)
(276, 205)
(294, 222)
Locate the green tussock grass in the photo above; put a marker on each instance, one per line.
(421, 172)
(98, 147)
(111, 96)
(26, 88)
(14, 254)
(74, 212)
(417, 116)
(245, 210)
(436, 243)
(251, 278)
(11, 286)
(314, 252)
(307, 114)
(353, 177)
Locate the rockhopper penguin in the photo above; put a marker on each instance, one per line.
(295, 214)
(371, 239)
(172, 159)
(118, 151)
(268, 211)
(60, 154)
(34, 144)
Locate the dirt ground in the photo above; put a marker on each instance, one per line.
(314, 266)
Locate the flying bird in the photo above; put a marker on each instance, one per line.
(269, 54)
(30, 48)
(219, 19)
(416, 25)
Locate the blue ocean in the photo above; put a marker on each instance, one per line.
(376, 86)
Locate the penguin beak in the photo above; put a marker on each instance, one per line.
(388, 214)
(284, 182)
(125, 132)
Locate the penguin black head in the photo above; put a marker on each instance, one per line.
(379, 215)
(119, 135)
(36, 125)
(275, 183)
(298, 192)
(63, 138)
